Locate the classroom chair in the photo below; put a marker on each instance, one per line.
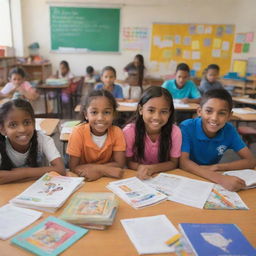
(248, 134)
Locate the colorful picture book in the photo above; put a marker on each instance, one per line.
(13, 219)
(92, 210)
(248, 175)
(181, 189)
(56, 81)
(48, 193)
(68, 126)
(148, 234)
(50, 237)
(216, 239)
(220, 198)
(136, 193)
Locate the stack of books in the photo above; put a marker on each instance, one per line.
(56, 81)
(48, 193)
(91, 210)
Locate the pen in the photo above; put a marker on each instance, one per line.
(223, 199)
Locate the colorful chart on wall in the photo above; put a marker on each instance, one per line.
(198, 45)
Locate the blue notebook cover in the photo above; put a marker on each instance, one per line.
(216, 240)
(50, 237)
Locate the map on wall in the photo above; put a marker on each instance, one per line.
(198, 45)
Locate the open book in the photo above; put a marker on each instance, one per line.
(181, 189)
(48, 193)
(248, 175)
(135, 192)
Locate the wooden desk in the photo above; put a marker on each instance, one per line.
(48, 125)
(114, 241)
(192, 108)
(246, 117)
(244, 100)
(57, 89)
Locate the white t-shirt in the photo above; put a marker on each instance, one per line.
(47, 151)
(99, 140)
(68, 76)
(10, 86)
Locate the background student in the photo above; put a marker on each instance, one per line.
(206, 138)
(108, 77)
(210, 79)
(91, 76)
(96, 147)
(18, 87)
(181, 87)
(153, 141)
(135, 71)
(23, 150)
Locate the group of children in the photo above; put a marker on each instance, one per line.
(149, 143)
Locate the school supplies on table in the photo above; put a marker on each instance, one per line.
(68, 126)
(13, 219)
(220, 198)
(243, 111)
(136, 193)
(216, 239)
(179, 104)
(50, 237)
(148, 234)
(56, 81)
(181, 189)
(48, 193)
(248, 175)
(92, 210)
(128, 104)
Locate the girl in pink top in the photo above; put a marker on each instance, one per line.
(153, 141)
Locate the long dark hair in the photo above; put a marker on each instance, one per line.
(31, 160)
(165, 144)
(141, 68)
(91, 96)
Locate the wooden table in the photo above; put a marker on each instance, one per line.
(246, 117)
(48, 125)
(115, 242)
(57, 89)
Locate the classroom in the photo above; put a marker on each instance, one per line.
(40, 39)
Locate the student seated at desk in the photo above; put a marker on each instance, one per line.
(181, 87)
(18, 87)
(91, 76)
(136, 73)
(108, 77)
(206, 138)
(23, 150)
(153, 141)
(96, 147)
(210, 79)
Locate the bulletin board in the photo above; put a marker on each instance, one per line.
(198, 45)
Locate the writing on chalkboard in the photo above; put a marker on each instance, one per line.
(89, 29)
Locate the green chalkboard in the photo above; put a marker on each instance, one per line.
(94, 29)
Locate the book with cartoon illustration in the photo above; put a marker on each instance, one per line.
(216, 239)
(50, 237)
(220, 199)
(92, 210)
(136, 193)
(48, 193)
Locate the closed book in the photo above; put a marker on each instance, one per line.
(50, 237)
(216, 239)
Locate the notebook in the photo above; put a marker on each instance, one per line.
(50, 237)
(216, 239)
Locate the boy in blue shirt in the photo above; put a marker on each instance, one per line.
(181, 87)
(206, 138)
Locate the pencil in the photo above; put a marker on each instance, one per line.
(223, 199)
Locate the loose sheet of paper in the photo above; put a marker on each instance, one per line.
(148, 234)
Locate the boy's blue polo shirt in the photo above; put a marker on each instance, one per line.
(189, 90)
(204, 150)
(117, 91)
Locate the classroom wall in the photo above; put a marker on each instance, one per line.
(135, 13)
